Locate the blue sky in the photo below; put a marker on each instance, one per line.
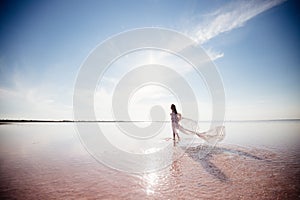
(254, 44)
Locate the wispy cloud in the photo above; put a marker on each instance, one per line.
(31, 103)
(214, 55)
(229, 17)
(22, 98)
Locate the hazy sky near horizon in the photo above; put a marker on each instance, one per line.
(254, 44)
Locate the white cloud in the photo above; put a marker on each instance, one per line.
(214, 55)
(229, 17)
(32, 102)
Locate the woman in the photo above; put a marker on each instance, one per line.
(189, 127)
(175, 117)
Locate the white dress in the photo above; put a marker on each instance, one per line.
(191, 127)
(175, 118)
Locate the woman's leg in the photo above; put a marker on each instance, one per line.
(174, 130)
(177, 132)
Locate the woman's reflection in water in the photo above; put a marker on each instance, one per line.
(176, 172)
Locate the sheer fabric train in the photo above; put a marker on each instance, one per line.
(191, 127)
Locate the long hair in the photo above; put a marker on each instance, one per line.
(173, 107)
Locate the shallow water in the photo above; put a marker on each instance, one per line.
(48, 161)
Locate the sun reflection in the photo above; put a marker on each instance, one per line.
(151, 181)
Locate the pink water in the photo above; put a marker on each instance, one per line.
(47, 161)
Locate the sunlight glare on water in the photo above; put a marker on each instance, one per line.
(47, 160)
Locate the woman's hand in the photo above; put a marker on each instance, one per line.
(179, 116)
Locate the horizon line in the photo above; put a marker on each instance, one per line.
(111, 121)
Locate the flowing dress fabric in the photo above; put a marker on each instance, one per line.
(191, 127)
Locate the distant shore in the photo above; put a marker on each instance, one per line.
(125, 121)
